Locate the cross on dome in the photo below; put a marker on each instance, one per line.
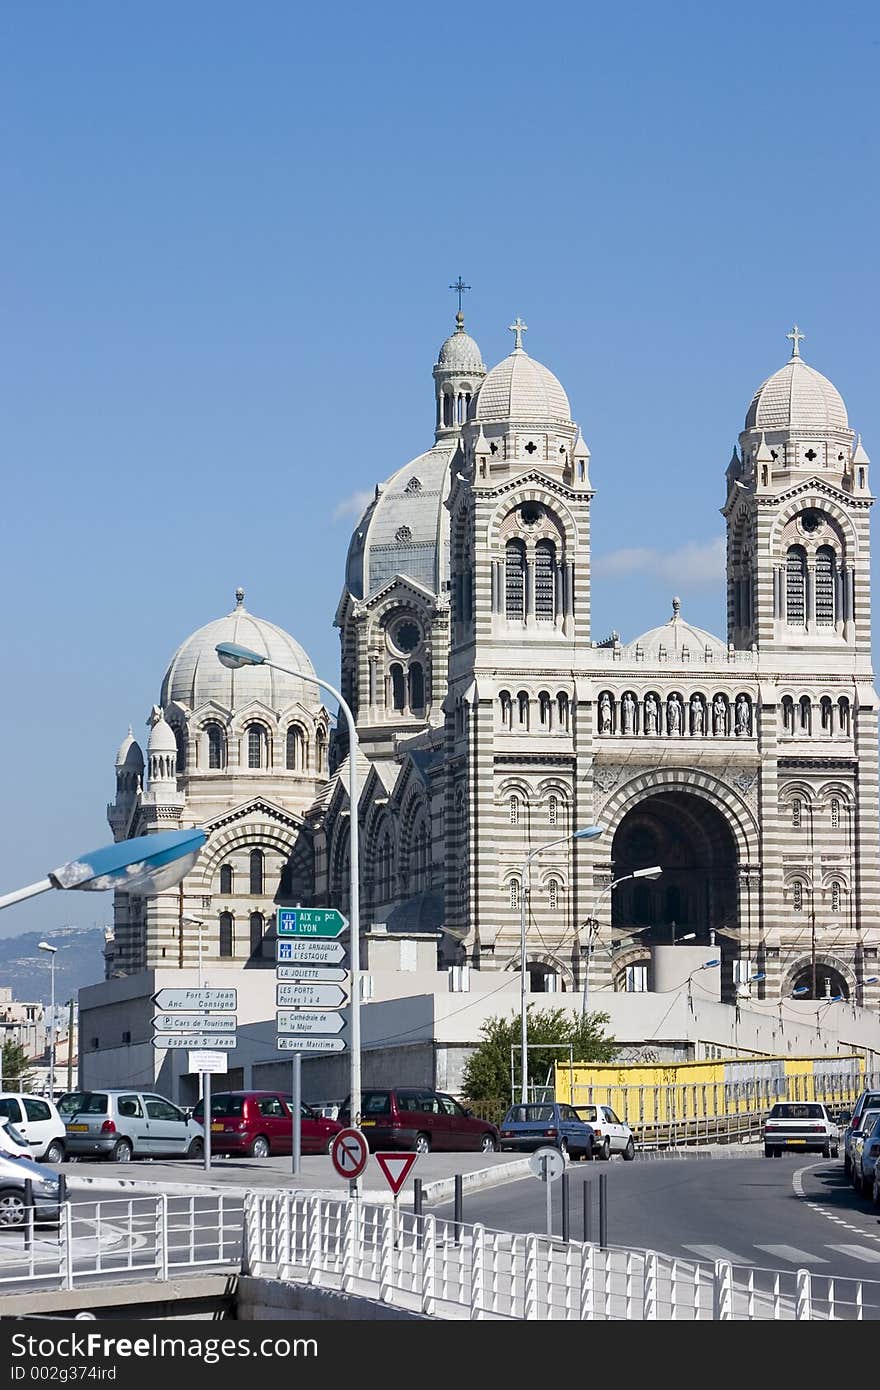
(796, 335)
(459, 287)
(518, 328)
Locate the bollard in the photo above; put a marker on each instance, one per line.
(28, 1213)
(417, 1211)
(565, 1208)
(457, 1209)
(588, 1212)
(603, 1210)
(62, 1188)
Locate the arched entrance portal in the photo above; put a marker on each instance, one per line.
(693, 844)
(830, 984)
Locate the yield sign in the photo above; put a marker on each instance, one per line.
(349, 1153)
(396, 1168)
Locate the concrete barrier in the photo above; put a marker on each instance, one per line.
(267, 1300)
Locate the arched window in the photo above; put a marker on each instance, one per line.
(506, 704)
(835, 896)
(227, 934)
(562, 706)
(398, 687)
(553, 810)
(294, 750)
(256, 746)
(796, 586)
(513, 889)
(787, 714)
(180, 740)
(226, 880)
(545, 705)
(514, 578)
(797, 807)
(321, 753)
(835, 812)
(256, 863)
(513, 810)
(416, 686)
(827, 716)
(797, 895)
(216, 747)
(385, 872)
(826, 583)
(843, 714)
(806, 714)
(553, 895)
(522, 702)
(545, 580)
(256, 933)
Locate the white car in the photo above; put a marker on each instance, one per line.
(39, 1123)
(610, 1135)
(800, 1125)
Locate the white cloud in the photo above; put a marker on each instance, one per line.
(695, 562)
(353, 507)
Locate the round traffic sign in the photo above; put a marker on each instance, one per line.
(547, 1164)
(349, 1153)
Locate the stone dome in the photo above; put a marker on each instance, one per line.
(196, 675)
(460, 352)
(673, 636)
(162, 738)
(520, 388)
(130, 754)
(797, 397)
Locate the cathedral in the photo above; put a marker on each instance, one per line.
(742, 771)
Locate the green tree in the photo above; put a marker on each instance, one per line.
(486, 1081)
(16, 1076)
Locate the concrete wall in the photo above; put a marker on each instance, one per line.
(264, 1300)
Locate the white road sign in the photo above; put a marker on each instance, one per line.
(285, 1044)
(547, 1164)
(194, 1023)
(195, 1041)
(309, 1022)
(208, 1061)
(309, 952)
(320, 974)
(176, 999)
(294, 995)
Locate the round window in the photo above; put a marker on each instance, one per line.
(406, 636)
(530, 514)
(811, 522)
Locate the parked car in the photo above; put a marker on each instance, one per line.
(800, 1125)
(128, 1123)
(259, 1123)
(529, 1127)
(416, 1117)
(46, 1183)
(863, 1153)
(869, 1099)
(610, 1135)
(37, 1121)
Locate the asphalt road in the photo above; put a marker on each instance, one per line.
(788, 1213)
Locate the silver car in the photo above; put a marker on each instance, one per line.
(863, 1151)
(128, 1123)
(45, 1185)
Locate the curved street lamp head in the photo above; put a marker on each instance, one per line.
(44, 946)
(145, 865)
(654, 872)
(801, 990)
(760, 976)
(234, 656)
(588, 832)
(708, 965)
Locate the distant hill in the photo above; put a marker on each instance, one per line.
(80, 961)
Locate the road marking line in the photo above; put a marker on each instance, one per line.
(858, 1252)
(717, 1252)
(793, 1254)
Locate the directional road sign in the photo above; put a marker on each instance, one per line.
(309, 1022)
(287, 1044)
(176, 999)
(310, 921)
(309, 952)
(208, 1061)
(349, 1153)
(293, 995)
(319, 974)
(194, 1023)
(395, 1168)
(194, 1041)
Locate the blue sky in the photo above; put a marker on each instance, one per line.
(227, 237)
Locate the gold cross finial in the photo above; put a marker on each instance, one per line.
(796, 335)
(518, 328)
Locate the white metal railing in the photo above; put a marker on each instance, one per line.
(442, 1270)
(155, 1237)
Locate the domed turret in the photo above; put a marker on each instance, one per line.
(457, 376)
(521, 389)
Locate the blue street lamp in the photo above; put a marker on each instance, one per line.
(143, 866)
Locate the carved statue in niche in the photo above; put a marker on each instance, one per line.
(605, 714)
(673, 715)
(697, 715)
(719, 715)
(743, 715)
(628, 709)
(651, 712)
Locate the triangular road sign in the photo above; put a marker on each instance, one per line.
(396, 1168)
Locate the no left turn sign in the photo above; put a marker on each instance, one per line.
(349, 1153)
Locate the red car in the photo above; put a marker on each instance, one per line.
(405, 1117)
(258, 1123)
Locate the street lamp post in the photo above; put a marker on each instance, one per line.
(707, 965)
(588, 832)
(234, 656)
(196, 922)
(651, 873)
(53, 951)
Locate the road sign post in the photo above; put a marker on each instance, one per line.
(206, 1116)
(548, 1164)
(296, 1092)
